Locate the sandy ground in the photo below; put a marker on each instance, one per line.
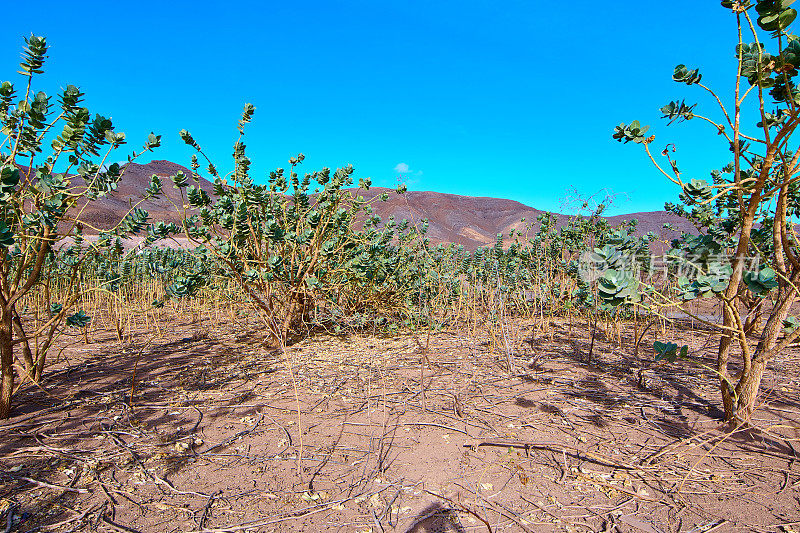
(409, 433)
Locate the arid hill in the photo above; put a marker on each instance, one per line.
(108, 210)
(467, 220)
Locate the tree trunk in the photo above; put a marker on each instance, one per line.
(6, 364)
(753, 322)
(290, 318)
(748, 387)
(27, 355)
(725, 340)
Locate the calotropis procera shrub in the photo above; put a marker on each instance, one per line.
(747, 255)
(52, 165)
(288, 246)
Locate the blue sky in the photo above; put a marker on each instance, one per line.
(514, 99)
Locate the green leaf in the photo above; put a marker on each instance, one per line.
(632, 132)
(153, 141)
(6, 235)
(669, 351)
(682, 74)
(760, 283)
(180, 180)
(78, 320)
(698, 190)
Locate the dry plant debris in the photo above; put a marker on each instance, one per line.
(389, 438)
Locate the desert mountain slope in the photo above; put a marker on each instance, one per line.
(108, 210)
(467, 220)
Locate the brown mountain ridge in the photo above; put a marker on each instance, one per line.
(467, 220)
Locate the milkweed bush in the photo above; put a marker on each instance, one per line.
(52, 165)
(746, 256)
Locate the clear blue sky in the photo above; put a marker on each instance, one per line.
(508, 99)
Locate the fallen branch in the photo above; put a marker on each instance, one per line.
(554, 447)
(45, 484)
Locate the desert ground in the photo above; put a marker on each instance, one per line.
(203, 427)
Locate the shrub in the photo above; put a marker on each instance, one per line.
(747, 255)
(40, 206)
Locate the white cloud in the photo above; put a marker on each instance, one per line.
(402, 168)
(407, 175)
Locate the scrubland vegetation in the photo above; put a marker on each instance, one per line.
(296, 311)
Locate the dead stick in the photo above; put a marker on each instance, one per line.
(555, 447)
(48, 485)
(118, 527)
(207, 508)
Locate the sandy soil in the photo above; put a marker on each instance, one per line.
(409, 433)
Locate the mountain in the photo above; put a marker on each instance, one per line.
(475, 221)
(107, 211)
(467, 220)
